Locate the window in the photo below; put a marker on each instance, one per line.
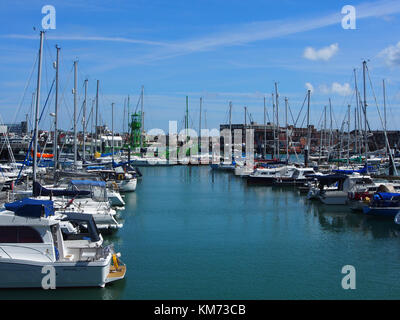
(28, 235)
(19, 235)
(8, 235)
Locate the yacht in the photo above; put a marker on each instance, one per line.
(92, 202)
(345, 184)
(31, 238)
(243, 170)
(265, 176)
(360, 196)
(294, 176)
(126, 182)
(223, 166)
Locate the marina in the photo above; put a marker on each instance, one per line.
(157, 169)
(256, 243)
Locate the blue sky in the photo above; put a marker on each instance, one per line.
(221, 50)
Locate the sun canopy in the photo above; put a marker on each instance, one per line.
(87, 219)
(93, 183)
(39, 190)
(328, 179)
(31, 207)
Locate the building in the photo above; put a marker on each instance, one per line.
(17, 128)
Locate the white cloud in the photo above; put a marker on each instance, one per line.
(309, 86)
(336, 88)
(325, 53)
(391, 55)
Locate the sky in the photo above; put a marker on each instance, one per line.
(220, 50)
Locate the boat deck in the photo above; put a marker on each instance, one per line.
(115, 274)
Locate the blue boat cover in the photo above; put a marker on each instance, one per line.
(361, 171)
(95, 167)
(31, 207)
(88, 183)
(385, 195)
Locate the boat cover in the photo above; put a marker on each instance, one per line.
(39, 190)
(86, 219)
(31, 207)
(88, 183)
(328, 179)
(385, 195)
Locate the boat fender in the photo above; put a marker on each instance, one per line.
(57, 253)
(115, 260)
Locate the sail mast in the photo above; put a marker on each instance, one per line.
(277, 119)
(141, 119)
(273, 125)
(97, 115)
(84, 122)
(75, 112)
(265, 130)
(35, 142)
(112, 129)
(365, 115)
(308, 129)
(201, 104)
(287, 130)
(348, 135)
(55, 140)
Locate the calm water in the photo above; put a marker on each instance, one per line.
(190, 233)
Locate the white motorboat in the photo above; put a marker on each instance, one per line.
(265, 176)
(294, 176)
(359, 195)
(82, 196)
(32, 242)
(243, 170)
(339, 195)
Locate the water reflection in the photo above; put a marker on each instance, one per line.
(112, 291)
(342, 219)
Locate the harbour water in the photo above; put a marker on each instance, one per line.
(191, 233)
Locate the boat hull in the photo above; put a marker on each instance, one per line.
(127, 186)
(334, 198)
(28, 274)
(262, 181)
(381, 211)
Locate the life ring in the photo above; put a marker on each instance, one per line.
(121, 176)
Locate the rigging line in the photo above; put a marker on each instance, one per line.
(89, 118)
(137, 104)
(26, 88)
(380, 117)
(23, 96)
(290, 111)
(33, 136)
(266, 111)
(62, 98)
(295, 123)
(45, 145)
(304, 119)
